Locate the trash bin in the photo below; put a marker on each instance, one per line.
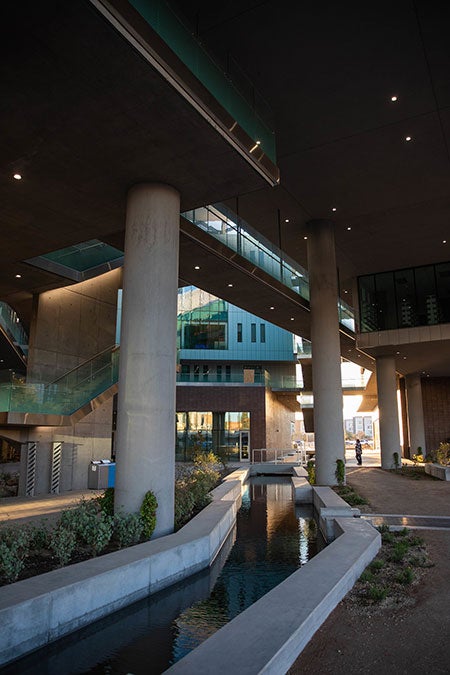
(102, 473)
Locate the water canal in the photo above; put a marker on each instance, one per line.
(272, 539)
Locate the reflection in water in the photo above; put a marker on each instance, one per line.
(273, 539)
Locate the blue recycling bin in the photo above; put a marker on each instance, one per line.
(102, 474)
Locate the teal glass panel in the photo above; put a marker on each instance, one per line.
(84, 256)
(181, 40)
(67, 394)
(12, 326)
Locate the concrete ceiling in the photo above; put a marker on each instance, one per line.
(86, 118)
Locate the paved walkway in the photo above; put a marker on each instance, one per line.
(19, 510)
(410, 640)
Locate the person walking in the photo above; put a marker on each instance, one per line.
(358, 452)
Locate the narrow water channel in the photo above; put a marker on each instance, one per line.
(272, 539)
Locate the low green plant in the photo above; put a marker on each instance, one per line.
(340, 471)
(148, 513)
(376, 565)
(311, 469)
(184, 504)
(62, 542)
(127, 529)
(406, 576)
(377, 593)
(350, 496)
(366, 576)
(399, 551)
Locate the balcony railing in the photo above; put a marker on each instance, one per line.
(239, 236)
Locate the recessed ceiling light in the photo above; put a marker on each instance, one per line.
(230, 285)
(286, 220)
(394, 98)
(17, 176)
(334, 208)
(305, 237)
(404, 357)
(197, 267)
(271, 307)
(408, 138)
(345, 291)
(292, 318)
(1, 360)
(18, 276)
(349, 228)
(444, 241)
(397, 352)
(258, 142)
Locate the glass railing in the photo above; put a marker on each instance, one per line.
(67, 394)
(182, 41)
(224, 378)
(12, 326)
(240, 237)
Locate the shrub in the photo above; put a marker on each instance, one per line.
(148, 513)
(184, 504)
(62, 543)
(14, 549)
(311, 469)
(38, 537)
(442, 454)
(340, 471)
(127, 529)
(396, 460)
(106, 501)
(90, 525)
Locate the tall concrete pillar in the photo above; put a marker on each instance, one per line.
(415, 413)
(388, 409)
(145, 437)
(326, 352)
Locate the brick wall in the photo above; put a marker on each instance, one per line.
(228, 399)
(436, 410)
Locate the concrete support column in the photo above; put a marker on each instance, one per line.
(145, 437)
(388, 409)
(326, 352)
(415, 413)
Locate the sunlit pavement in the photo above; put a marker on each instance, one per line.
(43, 507)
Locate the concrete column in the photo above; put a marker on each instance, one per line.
(415, 413)
(145, 437)
(326, 351)
(388, 408)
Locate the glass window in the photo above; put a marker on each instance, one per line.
(405, 298)
(427, 301)
(239, 332)
(253, 332)
(367, 304)
(385, 301)
(443, 291)
(262, 332)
